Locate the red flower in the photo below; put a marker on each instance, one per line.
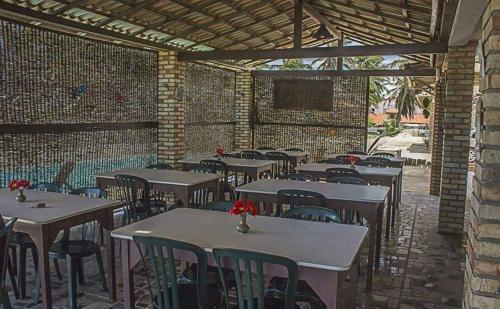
(353, 159)
(219, 151)
(18, 184)
(242, 207)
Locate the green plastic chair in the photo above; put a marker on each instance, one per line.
(298, 198)
(245, 286)
(221, 206)
(161, 166)
(316, 214)
(5, 237)
(172, 291)
(298, 177)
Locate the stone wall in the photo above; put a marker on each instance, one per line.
(243, 110)
(482, 277)
(457, 124)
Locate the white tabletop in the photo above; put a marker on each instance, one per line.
(332, 191)
(58, 206)
(288, 153)
(162, 176)
(319, 245)
(232, 161)
(363, 170)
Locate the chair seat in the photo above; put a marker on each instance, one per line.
(21, 239)
(213, 275)
(81, 248)
(303, 289)
(188, 298)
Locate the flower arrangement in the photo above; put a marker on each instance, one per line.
(242, 208)
(220, 152)
(353, 160)
(19, 185)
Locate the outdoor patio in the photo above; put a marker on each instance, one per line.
(358, 139)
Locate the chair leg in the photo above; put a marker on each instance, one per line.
(21, 270)
(6, 301)
(100, 264)
(58, 270)
(10, 269)
(71, 273)
(34, 254)
(79, 267)
(38, 284)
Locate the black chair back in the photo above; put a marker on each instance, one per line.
(161, 166)
(331, 161)
(357, 152)
(252, 155)
(294, 149)
(299, 198)
(282, 160)
(383, 154)
(341, 172)
(135, 195)
(46, 186)
(316, 214)
(383, 160)
(5, 237)
(219, 167)
(348, 180)
(90, 229)
(266, 148)
(298, 177)
(372, 163)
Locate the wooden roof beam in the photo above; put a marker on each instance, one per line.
(318, 17)
(397, 5)
(297, 24)
(124, 13)
(349, 51)
(389, 73)
(69, 6)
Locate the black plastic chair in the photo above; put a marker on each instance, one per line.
(294, 149)
(229, 155)
(221, 206)
(298, 198)
(347, 158)
(5, 238)
(73, 251)
(348, 180)
(317, 214)
(371, 163)
(341, 172)
(283, 162)
(266, 148)
(244, 284)
(252, 155)
(134, 193)
(22, 242)
(357, 152)
(161, 166)
(383, 154)
(219, 167)
(172, 290)
(298, 177)
(331, 161)
(384, 160)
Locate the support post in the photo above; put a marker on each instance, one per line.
(297, 24)
(436, 136)
(340, 59)
(243, 107)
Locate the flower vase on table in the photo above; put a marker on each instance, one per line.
(242, 208)
(219, 152)
(19, 185)
(353, 160)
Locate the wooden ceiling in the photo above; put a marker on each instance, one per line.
(205, 25)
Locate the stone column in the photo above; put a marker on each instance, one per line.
(457, 125)
(482, 275)
(171, 112)
(243, 105)
(436, 136)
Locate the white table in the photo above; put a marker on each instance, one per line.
(321, 250)
(183, 184)
(62, 211)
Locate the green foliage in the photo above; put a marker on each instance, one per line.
(371, 123)
(377, 84)
(426, 104)
(295, 64)
(391, 127)
(403, 93)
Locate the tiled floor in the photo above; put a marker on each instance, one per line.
(419, 268)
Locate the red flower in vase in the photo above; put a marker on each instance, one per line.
(18, 184)
(243, 207)
(353, 160)
(219, 151)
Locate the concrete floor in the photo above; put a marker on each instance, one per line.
(419, 267)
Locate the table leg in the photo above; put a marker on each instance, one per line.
(394, 197)
(128, 274)
(353, 281)
(371, 249)
(389, 211)
(380, 215)
(43, 239)
(110, 247)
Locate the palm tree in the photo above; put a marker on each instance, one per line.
(377, 84)
(295, 64)
(404, 95)
(326, 63)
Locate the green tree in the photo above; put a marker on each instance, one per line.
(403, 94)
(295, 64)
(326, 63)
(377, 84)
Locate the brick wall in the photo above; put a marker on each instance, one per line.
(436, 136)
(482, 276)
(171, 75)
(243, 132)
(457, 124)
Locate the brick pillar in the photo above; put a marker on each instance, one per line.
(436, 136)
(243, 105)
(482, 268)
(457, 124)
(171, 112)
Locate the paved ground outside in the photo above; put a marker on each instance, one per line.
(419, 268)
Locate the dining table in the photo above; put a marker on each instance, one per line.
(384, 176)
(59, 212)
(182, 184)
(369, 201)
(324, 261)
(249, 167)
(295, 157)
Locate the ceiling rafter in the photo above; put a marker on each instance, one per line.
(124, 13)
(397, 5)
(318, 17)
(69, 6)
